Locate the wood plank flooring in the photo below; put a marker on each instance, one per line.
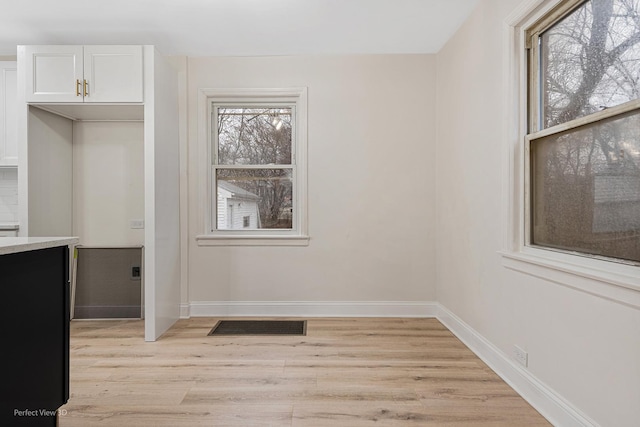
(344, 372)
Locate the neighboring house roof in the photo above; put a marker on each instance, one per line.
(237, 192)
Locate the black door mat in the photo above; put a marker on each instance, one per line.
(260, 327)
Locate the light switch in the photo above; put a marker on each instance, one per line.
(137, 223)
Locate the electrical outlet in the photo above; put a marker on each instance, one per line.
(521, 356)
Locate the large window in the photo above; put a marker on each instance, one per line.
(584, 129)
(253, 172)
(256, 166)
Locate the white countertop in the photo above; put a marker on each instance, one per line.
(10, 245)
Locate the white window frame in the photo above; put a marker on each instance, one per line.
(610, 280)
(298, 235)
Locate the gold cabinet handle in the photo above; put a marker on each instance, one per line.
(77, 87)
(86, 88)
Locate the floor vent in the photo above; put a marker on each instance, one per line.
(260, 327)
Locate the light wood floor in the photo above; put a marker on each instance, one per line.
(344, 372)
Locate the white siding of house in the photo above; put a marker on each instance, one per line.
(223, 195)
(241, 208)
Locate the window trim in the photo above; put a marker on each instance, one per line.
(532, 34)
(279, 237)
(613, 281)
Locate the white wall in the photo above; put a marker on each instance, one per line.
(371, 183)
(108, 182)
(85, 179)
(50, 173)
(584, 347)
(162, 254)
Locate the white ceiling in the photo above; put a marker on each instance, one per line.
(237, 27)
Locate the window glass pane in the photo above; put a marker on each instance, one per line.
(265, 196)
(590, 60)
(586, 189)
(254, 136)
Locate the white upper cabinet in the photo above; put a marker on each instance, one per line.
(89, 74)
(8, 114)
(53, 73)
(113, 73)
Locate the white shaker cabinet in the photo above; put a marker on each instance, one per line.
(113, 74)
(8, 114)
(83, 74)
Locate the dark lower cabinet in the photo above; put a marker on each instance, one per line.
(35, 335)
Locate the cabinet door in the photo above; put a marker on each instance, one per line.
(36, 362)
(53, 73)
(113, 73)
(8, 114)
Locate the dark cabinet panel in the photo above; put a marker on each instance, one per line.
(35, 329)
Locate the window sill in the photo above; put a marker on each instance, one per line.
(615, 282)
(209, 240)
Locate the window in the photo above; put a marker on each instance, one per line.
(256, 166)
(252, 165)
(583, 159)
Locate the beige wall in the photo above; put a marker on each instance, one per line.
(371, 183)
(108, 182)
(50, 161)
(584, 347)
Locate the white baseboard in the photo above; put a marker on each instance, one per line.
(185, 311)
(551, 405)
(311, 309)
